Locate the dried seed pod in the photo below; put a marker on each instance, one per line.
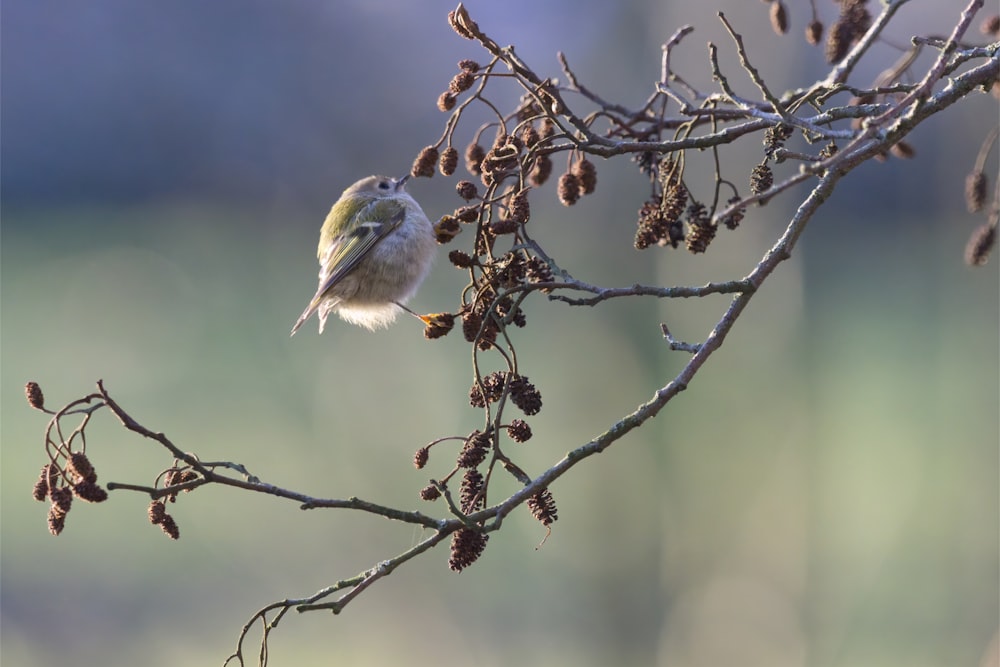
(169, 526)
(980, 245)
(488, 338)
(474, 154)
(503, 226)
(510, 272)
(503, 156)
(62, 498)
(461, 259)
(540, 170)
(733, 220)
(80, 466)
(651, 226)
(519, 430)
(814, 32)
(475, 450)
(529, 135)
(976, 185)
(467, 213)
(701, 231)
(462, 23)
(519, 210)
(902, 150)
(467, 545)
(424, 164)
(448, 161)
(41, 489)
(586, 174)
(491, 389)
(156, 511)
(853, 22)
(472, 322)
(186, 476)
(668, 172)
(779, 17)
(569, 189)
(838, 42)
(438, 325)
(34, 395)
(991, 26)
(461, 82)
(56, 520)
(420, 457)
(171, 476)
(471, 491)
(467, 190)
(446, 229)
(660, 220)
(538, 271)
(761, 178)
(525, 396)
(543, 507)
(90, 492)
(53, 474)
(776, 136)
(674, 201)
(446, 101)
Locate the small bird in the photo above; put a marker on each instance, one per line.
(375, 248)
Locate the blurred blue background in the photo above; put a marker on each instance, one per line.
(825, 493)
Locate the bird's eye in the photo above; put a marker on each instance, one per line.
(384, 185)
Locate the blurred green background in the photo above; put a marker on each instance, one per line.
(825, 493)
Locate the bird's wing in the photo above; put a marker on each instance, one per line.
(372, 224)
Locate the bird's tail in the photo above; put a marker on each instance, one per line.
(302, 320)
(304, 317)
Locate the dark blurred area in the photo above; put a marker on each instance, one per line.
(124, 101)
(129, 102)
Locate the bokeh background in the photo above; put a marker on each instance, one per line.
(825, 493)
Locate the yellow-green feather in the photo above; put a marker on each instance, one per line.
(372, 223)
(345, 210)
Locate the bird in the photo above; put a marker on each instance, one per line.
(376, 247)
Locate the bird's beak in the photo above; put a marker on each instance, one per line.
(400, 182)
